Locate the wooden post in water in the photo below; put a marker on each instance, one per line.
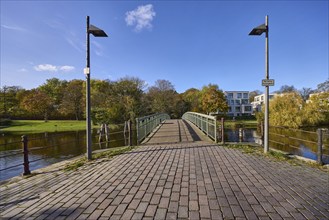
(130, 134)
(319, 146)
(26, 156)
(107, 133)
(222, 128)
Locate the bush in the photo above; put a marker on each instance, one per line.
(5, 121)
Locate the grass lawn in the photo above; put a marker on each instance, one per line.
(33, 126)
(240, 123)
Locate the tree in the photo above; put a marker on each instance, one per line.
(286, 110)
(252, 95)
(213, 99)
(161, 97)
(129, 92)
(38, 102)
(54, 88)
(305, 93)
(286, 89)
(73, 100)
(316, 111)
(323, 87)
(192, 97)
(9, 106)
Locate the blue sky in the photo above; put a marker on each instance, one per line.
(189, 43)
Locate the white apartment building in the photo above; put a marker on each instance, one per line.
(238, 103)
(259, 101)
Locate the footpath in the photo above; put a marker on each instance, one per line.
(173, 175)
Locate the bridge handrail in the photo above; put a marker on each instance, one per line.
(206, 123)
(146, 124)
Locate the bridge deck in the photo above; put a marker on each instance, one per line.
(184, 178)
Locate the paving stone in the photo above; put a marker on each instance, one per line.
(185, 180)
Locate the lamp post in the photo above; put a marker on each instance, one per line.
(91, 29)
(265, 82)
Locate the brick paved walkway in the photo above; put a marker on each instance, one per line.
(182, 179)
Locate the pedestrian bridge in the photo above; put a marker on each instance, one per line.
(160, 129)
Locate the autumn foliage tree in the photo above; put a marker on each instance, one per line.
(286, 110)
(38, 103)
(213, 99)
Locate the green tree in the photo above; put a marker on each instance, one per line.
(213, 99)
(286, 110)
(73, 100)
(192, 97)
(129, 92)
(161, 97)
(38, 103)
(9, 106)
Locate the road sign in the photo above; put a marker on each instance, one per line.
(268, 82)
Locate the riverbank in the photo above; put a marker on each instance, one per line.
(240, 123)
(36, 126)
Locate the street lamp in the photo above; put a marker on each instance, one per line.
(91, 29)
(265, 82)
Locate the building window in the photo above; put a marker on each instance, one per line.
(232, 102)
(247, 108)
(245, 95)
(237, 109)
(245, 101)
(239, 95)
(230, 95)
(229, 109)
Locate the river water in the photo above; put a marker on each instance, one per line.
(58, 146)
(47, 148)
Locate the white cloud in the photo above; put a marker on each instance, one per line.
(66, 68)
(75, 42)
(98, 49)
(52, 68)
(45, 68)
(141, 17)
(14, 28)
(22, 70)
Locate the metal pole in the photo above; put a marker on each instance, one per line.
(88, 120)
(26, 156)
(266, 123)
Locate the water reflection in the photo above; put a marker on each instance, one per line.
(47, 148)
(58, 146)
(297, 142)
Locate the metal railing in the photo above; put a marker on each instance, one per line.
(56, 147)
(294, 141)
(146, 124)
(206, 123)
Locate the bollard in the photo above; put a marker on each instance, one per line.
(26, 156)
(262, 132)
(319, 146)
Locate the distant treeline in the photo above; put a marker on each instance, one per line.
(111, 101)
(129, 97)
